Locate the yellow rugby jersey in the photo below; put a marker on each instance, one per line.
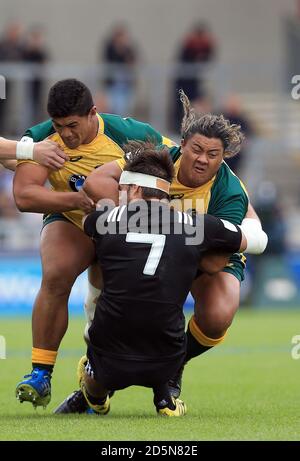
(223, 196)
(190, 198)
(114, 131)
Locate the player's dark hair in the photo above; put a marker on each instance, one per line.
(210, 126)
(145, 157)
(69, 97)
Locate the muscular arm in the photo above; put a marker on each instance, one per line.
(7, 149)
(8, 153)
(251, 213)
(9, 164)
(221, 240)
(31, 194)
(213, 262)
(103, 183)
(46, 153)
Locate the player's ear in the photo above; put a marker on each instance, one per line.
(93, 111)
(137, 189)
(135, 192)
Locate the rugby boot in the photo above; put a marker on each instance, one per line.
(35, 388)
(74, 403)
(101, 408)
(165, 410)
(81, 368)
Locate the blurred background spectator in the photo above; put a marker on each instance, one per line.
(198, 47)
(234, 112)
(35, 53)
(120, 54)
(269, 207)
(11, 50)
(7, 204)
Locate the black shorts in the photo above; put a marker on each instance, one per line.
(115, 374)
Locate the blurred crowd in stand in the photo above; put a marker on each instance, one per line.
(17, 46)
(117, 93)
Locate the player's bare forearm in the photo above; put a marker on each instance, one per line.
(212, 262)
(251, 213)
(105, 188)
(31, 195)
(103, 183)
(38, 199)
(9, 164)
(46, 153)
(7, 149)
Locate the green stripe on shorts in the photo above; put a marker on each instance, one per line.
(49, 218)
(236, 266)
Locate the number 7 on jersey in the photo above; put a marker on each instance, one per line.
(157, 242)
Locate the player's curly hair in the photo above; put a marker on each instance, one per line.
(145, 157)
(210, 126)
(69, 97)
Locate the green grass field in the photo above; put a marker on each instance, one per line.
(245, 389)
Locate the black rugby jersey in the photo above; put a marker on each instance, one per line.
(149, 255)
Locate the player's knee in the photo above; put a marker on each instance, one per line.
(216, 324)
(57, 283)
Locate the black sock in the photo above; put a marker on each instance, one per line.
(95, 400)
(43, 367)
(193, 348)
(162, 397)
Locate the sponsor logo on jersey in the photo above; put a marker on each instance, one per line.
(75, 159)
(176, 196)
(76, 181)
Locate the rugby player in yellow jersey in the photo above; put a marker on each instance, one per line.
(90, 140)
(200, 173)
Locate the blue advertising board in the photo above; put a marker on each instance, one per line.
(20, 279)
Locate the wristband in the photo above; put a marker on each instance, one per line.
(25, 148)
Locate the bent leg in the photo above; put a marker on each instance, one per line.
(95, 389)
(217, 299)
(65, 252)
(95, 394)
(216, 302)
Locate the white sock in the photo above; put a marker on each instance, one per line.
(90, 306)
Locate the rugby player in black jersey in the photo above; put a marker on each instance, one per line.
(137, 336)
